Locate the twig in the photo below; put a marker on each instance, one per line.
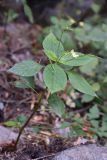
(26, 123)
(81, 110)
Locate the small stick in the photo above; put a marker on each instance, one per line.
(26, 123)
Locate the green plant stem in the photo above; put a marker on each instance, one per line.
(26, 123)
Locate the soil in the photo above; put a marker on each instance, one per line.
(35, 148)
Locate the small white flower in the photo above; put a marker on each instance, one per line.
(74, 54)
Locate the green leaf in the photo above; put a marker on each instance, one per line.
(52, 47)
(80, 84)
(94, 112)
(26, 68)
(11, 15)
(96, 87)
(97, 35)
(96, 7)
(104, 128)
(21, 119)
(104, 108)
(54, 20)
(68, 41)
(79, 60)
(28, 12)
(87, 98)
(90, 67)
(105, 79)
(95, 123)
(25, 82)
(54, 77)
(65, 125)
(65, 67)
(104, 123)
(20, 84)
(29, 81)
(78, 130)
(56, 104)
(12, 123)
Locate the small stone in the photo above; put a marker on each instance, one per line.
(7, 135)
(1, 106)
(83, 152)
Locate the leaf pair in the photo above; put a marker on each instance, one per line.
(56, 79)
